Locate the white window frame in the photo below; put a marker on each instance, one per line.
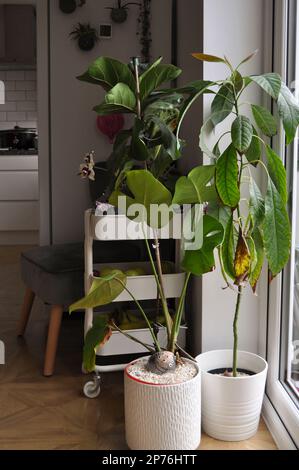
(280, 411)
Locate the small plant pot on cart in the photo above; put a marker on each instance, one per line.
(162, 417)
(231, 406)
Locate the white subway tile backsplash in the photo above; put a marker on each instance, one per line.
(32, 116)
(4, 126)
(23, 85)
(26, 105)
(20, 107)
(30, 75)
(15, 75)
(10, 85)
(8, 106)
(31, 95)
(18, 116)
(15, 96)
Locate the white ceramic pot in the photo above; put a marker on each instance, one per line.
(231, 407)
(162, 417)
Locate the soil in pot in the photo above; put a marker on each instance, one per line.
(229, 372)
(184, 372)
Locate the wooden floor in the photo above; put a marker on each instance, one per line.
(39, 413)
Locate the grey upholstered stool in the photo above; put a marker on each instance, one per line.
(55, 274)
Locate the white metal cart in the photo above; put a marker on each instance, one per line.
(115, 354)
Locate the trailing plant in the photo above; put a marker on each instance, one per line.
(144, 30)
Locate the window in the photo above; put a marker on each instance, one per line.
(283, 305)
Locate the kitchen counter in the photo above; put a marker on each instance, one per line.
(32, 152)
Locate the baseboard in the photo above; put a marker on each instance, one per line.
(275, 426)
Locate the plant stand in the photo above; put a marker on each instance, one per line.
(120, 351)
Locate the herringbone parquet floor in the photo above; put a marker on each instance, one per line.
(39, 413)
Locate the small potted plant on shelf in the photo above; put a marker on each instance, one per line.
(85, 35)
(256, 228)
(162, 392)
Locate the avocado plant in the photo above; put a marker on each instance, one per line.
(256, 227)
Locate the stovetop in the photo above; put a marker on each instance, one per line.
(18, 152)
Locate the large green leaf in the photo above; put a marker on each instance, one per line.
(256, 204)
(194, 189)
(222, 104)
(105, 109)
(155, 76)
(237, 80)
(227, 172)
(207, 57)
(167, 138)
(97, 336)
(146, 191)
(242, 133)
(264, 120)
(108, 73)
(139, 150)
(288, 109)
(228, 248)
(121, 95)
(120, 99)
(202, 261)
(103, 291)
(254, 153)
(269, 82)
(260, 256)
(277, 173)
(276, 230)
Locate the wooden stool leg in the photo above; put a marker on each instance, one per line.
(52, 341)
(26, 310)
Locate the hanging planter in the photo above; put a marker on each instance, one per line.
(86, 36)
(119, 14)
(69, 6)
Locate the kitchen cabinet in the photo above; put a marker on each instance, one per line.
(17, 35)
(19, 207)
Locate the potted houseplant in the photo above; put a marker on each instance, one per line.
(119, 13)
(85, 35)
(162, 392)
(256, 227)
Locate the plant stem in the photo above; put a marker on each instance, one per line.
(167, 316)
(143, 314)
(235, 328)
(178, 316)
(132, 338)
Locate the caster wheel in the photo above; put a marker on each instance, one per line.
(92, 389)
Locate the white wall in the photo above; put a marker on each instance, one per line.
(234, 28)
(73, 129)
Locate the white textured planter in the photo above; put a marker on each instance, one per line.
(231, 407)
(163, 417)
